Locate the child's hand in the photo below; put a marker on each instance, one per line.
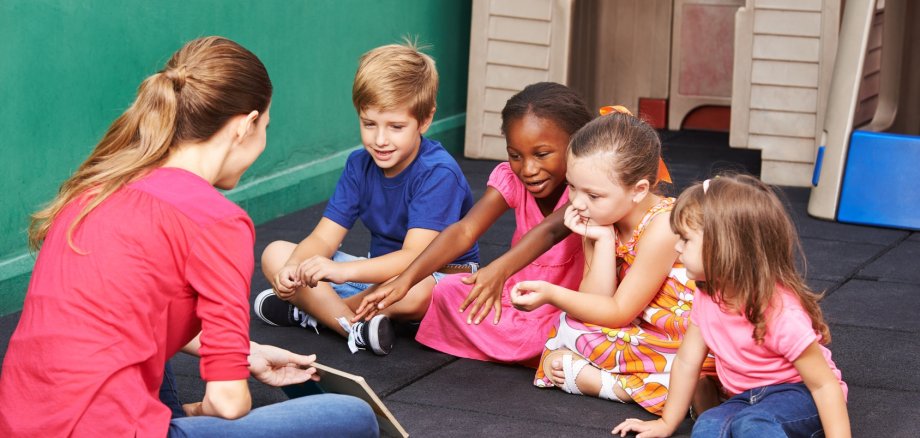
(584, 227)
(286, 281)
(645, 429)
(380, 297)
(318, 268)
(529, 295)
(486, 294)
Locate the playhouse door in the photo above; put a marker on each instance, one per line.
(702, 56)
(513, 43)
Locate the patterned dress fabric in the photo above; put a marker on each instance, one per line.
(639, 355)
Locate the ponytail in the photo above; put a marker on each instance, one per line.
(205, 83)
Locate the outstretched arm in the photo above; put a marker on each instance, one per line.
(654, 260)
(489, 282)
(684, 375)
(373, 270)
(443, 249)
(271, 365)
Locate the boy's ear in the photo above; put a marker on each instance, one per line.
(425, 124)
(641, 190)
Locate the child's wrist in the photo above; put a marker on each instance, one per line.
(606, 242)
(552, 294)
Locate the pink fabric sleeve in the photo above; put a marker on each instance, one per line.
(696, 310)
(791, 331)
(507, 183)
(220, 269)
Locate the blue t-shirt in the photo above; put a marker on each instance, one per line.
(430, 193)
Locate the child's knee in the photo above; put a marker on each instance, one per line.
(277, 253)
(422, 290)
(711, 423)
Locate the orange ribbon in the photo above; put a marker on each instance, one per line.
(663, 174)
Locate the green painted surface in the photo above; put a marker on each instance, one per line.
(71, 66)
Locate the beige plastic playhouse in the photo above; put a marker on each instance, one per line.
(766, 63)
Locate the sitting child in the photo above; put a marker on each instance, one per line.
(404, 187)
(618, 337)
(756, 315)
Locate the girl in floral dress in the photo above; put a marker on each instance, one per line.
(618, 338)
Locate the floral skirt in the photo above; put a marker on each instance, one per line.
(638, 356)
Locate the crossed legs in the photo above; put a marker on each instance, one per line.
(323, 303)
(572, 373)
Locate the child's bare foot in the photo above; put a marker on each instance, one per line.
(583, 376)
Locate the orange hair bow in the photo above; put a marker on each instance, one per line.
(663, 174)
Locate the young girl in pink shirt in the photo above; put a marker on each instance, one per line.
(756, 315)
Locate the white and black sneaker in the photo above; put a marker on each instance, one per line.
(377, 334)
(277, 312)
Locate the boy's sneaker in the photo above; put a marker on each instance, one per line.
(376, 334)
(277, 312)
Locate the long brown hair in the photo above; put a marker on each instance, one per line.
(749, 246)
(204, 84)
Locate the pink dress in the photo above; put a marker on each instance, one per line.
(519, 336)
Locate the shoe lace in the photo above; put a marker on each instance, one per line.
(355, 338)
(305, 319)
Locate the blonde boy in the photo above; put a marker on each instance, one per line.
(404, 187)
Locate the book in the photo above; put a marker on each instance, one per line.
(339, 382)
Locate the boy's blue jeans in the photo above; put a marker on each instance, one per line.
(782, 410)
(315, 415)
(348, 288)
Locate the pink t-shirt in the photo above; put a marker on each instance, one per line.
(740, 362)
(165, 257)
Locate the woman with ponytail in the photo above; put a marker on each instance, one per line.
(142, 257)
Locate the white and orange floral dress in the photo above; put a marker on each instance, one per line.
(638, 356)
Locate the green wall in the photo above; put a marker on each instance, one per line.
(70, 67)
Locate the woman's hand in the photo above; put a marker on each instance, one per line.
(380, 297)
(529, 295)
(644, 429)
(583, 226)
(278, 367)
(192, 409)
(485, 295)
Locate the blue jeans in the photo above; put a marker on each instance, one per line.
(169, 392)
(782, 410)
(316, 415)
(350, 288)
